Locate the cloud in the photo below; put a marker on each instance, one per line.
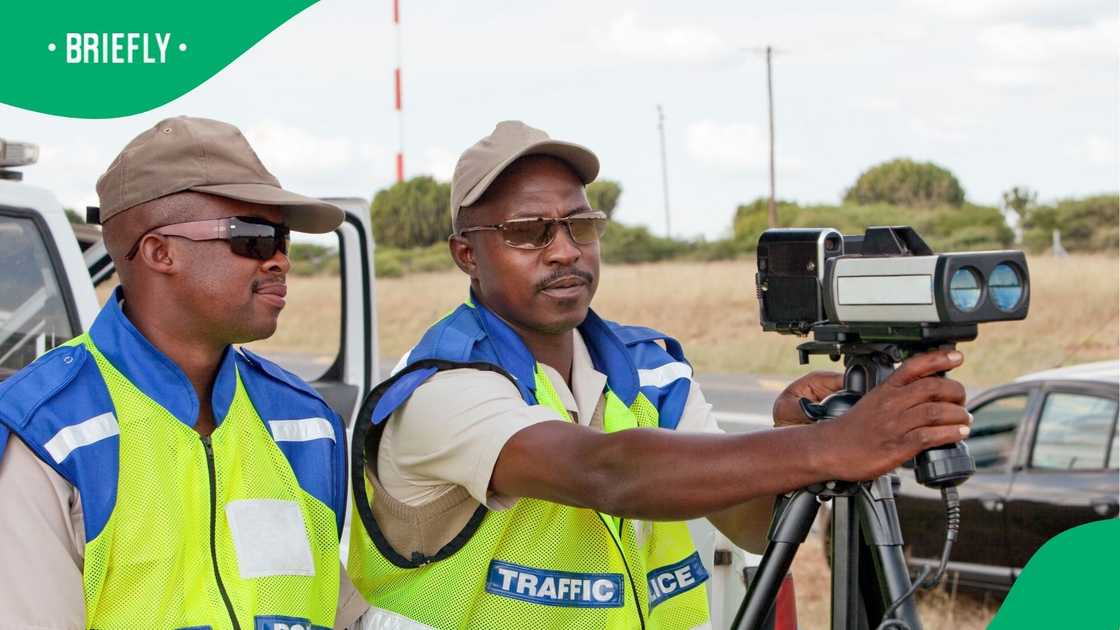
(733, 147)
(441, 162)
(627, 37)
(1017, 42)
(1098, 150)
(1033, 11)
(321, 164)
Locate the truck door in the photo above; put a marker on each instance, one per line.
(1070, 477)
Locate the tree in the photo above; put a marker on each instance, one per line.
(413, 213)
(1020, 199)
(73, 216)
(904, 182)
(603, 195)
(1087, 224)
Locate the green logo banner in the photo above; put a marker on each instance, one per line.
(1070, 582)
(117, 58)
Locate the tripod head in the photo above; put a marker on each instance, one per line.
(866, 365)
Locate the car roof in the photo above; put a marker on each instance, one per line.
(1099, 372)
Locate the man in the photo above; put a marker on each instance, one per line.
(158, 477)
(531, 463)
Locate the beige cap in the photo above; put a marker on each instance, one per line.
(206, 156)
(481, 164)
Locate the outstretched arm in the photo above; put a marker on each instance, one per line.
(661, 475)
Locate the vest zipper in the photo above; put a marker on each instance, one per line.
(213, 519)
(629, 575)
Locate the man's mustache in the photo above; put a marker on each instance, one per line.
(564, 273)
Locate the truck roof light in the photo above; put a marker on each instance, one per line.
(17, 153)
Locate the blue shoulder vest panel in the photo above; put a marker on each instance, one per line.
(474, 334)
(60, 390)
(319, 463)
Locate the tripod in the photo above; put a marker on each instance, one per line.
(868, 567)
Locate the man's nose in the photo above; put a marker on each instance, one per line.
(562, 250)
(279, 263)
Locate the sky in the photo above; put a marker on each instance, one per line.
(1001, 92)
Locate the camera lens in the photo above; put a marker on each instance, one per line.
(964, 289)
(1006, 286)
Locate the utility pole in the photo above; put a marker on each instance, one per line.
(664, 170)
(771, 210)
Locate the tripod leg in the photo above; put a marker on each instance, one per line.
(790, 527)
(879, 524)
(848, 611)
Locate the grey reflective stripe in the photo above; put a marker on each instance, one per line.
(402, 364)
(82, 434)
(662, 376)
(301, 430)
(381, 619)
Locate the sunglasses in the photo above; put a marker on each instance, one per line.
(251, 237)
(539, 232)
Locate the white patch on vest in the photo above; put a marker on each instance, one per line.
(662, 376)
(302, 430)
(82, 434)
(270, 538)
(555, 588)
(381, 619)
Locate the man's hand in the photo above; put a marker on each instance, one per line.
(816, 386)
(911, 411)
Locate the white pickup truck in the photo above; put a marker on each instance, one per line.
(49, 271)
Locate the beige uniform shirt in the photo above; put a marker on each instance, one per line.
(43, 549)
(450, 431)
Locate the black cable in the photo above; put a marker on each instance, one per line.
(926, 580)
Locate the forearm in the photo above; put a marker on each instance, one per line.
(694, 475)
(654, 474)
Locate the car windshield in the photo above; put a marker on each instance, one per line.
(33, 316)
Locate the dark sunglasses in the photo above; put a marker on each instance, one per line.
(251, 237)
(539, 232)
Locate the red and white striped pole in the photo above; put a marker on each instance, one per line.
(397, 93)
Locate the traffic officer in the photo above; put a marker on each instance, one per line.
(157, 477)
(530, 464)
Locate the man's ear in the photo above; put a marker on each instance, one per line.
(157, 253)
(462, 252)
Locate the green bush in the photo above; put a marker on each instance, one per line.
(309, 259)
(1088, 224)
(945, 228)
(635, 244)
(904, 182)
(391, 262)
(412, 213)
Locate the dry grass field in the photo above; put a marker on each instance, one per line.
(711, 309)
(943, 608)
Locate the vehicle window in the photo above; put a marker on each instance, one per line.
(308, 337)
(33, 317)
(994, 425)
(1073, 432)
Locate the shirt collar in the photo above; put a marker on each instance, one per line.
(608, 354)
(152, 371)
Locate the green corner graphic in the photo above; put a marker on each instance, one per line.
(109, 59)
(1069, 583)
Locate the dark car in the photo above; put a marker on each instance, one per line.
(1047, 460)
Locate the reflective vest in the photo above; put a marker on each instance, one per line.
(538, 564)
(238, 529)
